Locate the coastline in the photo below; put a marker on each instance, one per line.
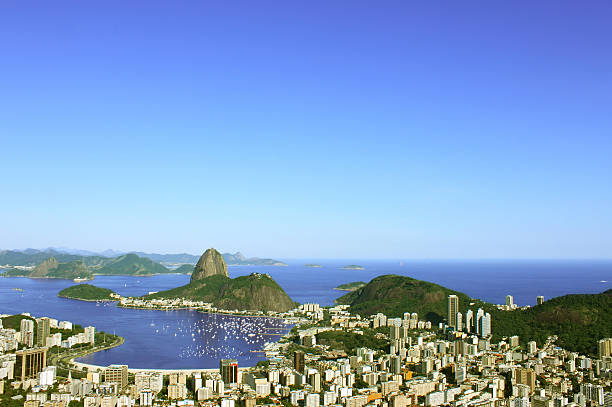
(82, 299)
(90, 367)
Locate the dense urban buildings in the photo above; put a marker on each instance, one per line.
(391, 362)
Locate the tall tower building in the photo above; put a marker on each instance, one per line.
(229, 371)
(90, 334)
(469, 321)
(540, 300)
(43, 329)
(298, 361)
(479, 314)
(459, 322)
(484, 325)
(26, 329)
(453, 308)
(509, 301)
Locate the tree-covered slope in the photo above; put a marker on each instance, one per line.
(579, 320)
(254, 292)
(132, 264)
(86, 292)
(393, 295)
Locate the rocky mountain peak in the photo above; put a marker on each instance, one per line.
(210, 264)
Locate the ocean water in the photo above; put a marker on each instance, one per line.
(189, 339)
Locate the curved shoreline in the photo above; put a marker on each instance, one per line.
(89, 367)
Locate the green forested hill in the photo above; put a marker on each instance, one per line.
(254, 292)
(132, 264)
(393, 295)
(579, 320)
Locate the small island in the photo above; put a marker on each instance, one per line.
(353, 267)
(87, 292)
(355, 285)
(313, 265)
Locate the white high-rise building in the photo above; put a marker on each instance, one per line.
(90, 335)
(479, 314)
(509, 301)
(469, 320)
(484, 325)
(146, 397)
(27, 332)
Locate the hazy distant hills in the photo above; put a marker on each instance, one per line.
(132, 264)
(51, 268)
(238, 259)
(33, 257)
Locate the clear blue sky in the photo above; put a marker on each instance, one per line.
(341, 129)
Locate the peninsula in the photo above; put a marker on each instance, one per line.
(210, 283)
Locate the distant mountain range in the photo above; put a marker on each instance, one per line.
(33, 257)
(128, 264)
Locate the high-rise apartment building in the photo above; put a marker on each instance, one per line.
(484, 325)
(228, 368)
(604, 348)
(459, 322)
(469, 321)
(177, 391)
(479, 314)
(532, 347)
(540, 300)
(299, 363)
(525, 376)
(509, 301)
(26, 329)
(117, 374)
(453, 308)
(43, 329)
(90, 335)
